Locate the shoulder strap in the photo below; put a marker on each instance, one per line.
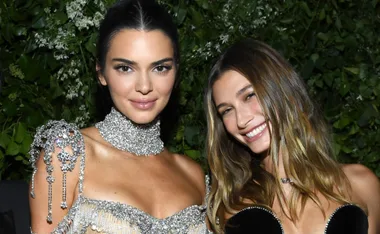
(61, 135)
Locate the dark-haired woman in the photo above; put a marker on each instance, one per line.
(117, 177)
(270, 154)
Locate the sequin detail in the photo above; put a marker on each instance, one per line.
(68, 141)
(123, 134)
(91, 215)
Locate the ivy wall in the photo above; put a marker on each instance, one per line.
(47, 66)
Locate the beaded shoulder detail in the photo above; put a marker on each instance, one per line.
(66, 139)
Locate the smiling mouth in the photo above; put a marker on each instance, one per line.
(256, 131)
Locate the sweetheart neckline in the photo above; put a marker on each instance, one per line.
(126, 205)
(279, 221)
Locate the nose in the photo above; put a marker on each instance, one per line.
(144, 84)
(243, 117)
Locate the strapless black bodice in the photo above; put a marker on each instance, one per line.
(347, 219)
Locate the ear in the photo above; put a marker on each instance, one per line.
(101, 77)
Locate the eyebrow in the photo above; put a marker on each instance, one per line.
(130, 62)
(237, 94)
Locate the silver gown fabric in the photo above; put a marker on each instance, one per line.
(90, 216)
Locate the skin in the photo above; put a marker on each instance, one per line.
(146, 183)
(241, 112)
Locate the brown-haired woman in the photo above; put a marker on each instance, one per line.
(271, 157)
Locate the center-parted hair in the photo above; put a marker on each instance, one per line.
(299, 134)
(144, 15)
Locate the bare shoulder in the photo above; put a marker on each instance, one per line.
(191, 168)
(360, 176)
(366, 186)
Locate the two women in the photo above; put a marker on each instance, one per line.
(117, 176)
(270, 154)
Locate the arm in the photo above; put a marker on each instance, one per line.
(54, 153)
(366, 186)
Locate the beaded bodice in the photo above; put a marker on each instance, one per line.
(89, 216)
(100, 216)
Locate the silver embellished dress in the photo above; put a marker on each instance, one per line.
(90, 216)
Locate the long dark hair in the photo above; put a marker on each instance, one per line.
(146, 15)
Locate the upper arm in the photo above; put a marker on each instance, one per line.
(366, 186)
(53, 156)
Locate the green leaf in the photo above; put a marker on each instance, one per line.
(353, 70)
(20, 31)
(322, 15)
(338, 23)
(194, 154)
(20, 132)
(287, 20)
(306, 8)
(190, 133)
(365, 91)
(196, 17)
(336, 148)
(12, 149)
(342, 122)
(4, 140)
(368, 113)
(181, 15)
(314, 57)
(19, 158)
(25, 146)
(323, 36)
(91, 44)
(60, 17)
(40, 23)
(10, 108)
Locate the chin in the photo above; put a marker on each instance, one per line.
(142, 119)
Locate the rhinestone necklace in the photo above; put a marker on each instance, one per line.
(123, 134)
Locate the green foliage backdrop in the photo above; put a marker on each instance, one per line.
(47, 63)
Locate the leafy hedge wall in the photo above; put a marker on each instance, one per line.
(47, 64)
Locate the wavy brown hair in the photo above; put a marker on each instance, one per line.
(299, 133)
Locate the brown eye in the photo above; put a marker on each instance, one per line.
(224, 112)
(162, 68)
(123, 68)
(250, 95)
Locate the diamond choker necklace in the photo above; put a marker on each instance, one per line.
(123, 134)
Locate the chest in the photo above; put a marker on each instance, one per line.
(347, 219)
(157, 188)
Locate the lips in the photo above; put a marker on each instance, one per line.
(255, 133)
(143, 104)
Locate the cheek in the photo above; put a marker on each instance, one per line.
(165, 86)
(120, 83)
(230, 125)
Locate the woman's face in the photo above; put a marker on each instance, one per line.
(140, 73)
(242, 116)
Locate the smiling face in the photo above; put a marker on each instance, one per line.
(242, 115)
(140, 73)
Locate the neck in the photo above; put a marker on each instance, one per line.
(125, 135)
(269, 166)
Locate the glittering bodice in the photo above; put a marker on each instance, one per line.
(89, 216)
(100, 216)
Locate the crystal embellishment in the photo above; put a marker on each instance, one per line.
(123, 134)
(68, 141)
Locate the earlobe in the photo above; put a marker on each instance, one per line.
(101, 77)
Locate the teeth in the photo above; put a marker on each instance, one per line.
(256, 131)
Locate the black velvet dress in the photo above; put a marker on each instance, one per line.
(346, 219)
